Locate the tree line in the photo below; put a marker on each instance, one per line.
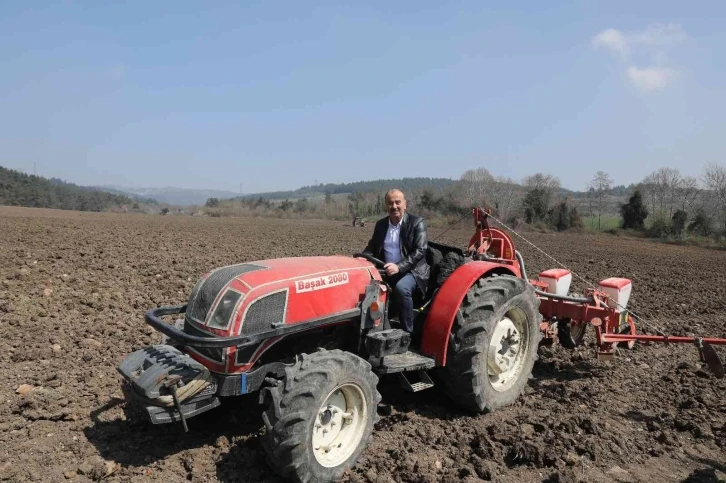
(676, 205)
(20, 189)
(664, 203)
(330, 189)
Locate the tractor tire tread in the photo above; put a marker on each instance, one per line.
(466, 373)
(292, 404)
(450, 262)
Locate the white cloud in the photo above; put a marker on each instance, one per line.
(612, 39)
(653, 40)
(660, 35)
(650, 79)
(649, 46)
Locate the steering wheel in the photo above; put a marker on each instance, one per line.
(378, 263)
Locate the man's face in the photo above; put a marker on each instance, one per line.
(396, 206)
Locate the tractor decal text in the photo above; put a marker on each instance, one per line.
(318, 283)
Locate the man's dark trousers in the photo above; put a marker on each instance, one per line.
(403, 288)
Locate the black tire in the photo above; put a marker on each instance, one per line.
(294, 408)
(571, 336)
(449, 263)
(466, 373)
(433, 258)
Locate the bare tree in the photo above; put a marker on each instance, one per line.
(591, 205)
(477, 185)
(468, 186)
(674, 181)
(540, 187)
(542, 181)
(714, 178)
(599, 186)
(687, 193)
(662, 188)
(507, 196)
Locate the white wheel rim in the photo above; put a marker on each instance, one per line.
(339, 425)
(507, 350)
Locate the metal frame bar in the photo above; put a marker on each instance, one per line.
(152, 317)
(667, 339)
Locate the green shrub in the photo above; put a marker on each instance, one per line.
(659, 229)
(702, 225)
(679, 219)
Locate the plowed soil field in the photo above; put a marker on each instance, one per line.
(74, 286)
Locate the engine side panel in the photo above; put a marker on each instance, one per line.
(435, 339)
(288, 292)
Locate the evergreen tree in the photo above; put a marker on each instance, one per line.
(560, 217)
(535, 205)
(678, 220)
(634, 212)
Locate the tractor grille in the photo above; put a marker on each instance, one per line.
(206, 291)
(264, 312)
(214, 353)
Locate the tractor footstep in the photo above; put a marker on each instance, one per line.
(424, 381)
(408, 361)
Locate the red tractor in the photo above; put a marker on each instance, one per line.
(312, 336)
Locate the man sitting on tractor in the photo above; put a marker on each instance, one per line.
(400, 240)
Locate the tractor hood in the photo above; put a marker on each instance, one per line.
(260, 296)
(224, 289)
(295, 267)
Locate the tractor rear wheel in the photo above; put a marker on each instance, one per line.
(493, 344)
(321, 416)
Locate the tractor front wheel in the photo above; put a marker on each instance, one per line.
(320, 417)
(494, 344)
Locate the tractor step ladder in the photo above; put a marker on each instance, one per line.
(424, 381)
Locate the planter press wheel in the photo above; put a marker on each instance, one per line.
(571, 334)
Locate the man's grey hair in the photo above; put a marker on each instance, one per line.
(391, 191)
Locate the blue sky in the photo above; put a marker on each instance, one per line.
(277, 95)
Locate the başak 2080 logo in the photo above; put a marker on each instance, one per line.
(319, 283)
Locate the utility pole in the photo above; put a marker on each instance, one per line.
(35, 171)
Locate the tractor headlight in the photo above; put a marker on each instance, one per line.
(225, 308)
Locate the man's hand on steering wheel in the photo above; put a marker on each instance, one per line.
(391, 269)
(379, 264)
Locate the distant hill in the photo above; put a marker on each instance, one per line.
(379, 185)
(172, 196)
(125, 193)
(20, 189)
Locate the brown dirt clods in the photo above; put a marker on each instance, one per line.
(74, 286)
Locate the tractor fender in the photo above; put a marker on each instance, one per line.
(435, 338)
